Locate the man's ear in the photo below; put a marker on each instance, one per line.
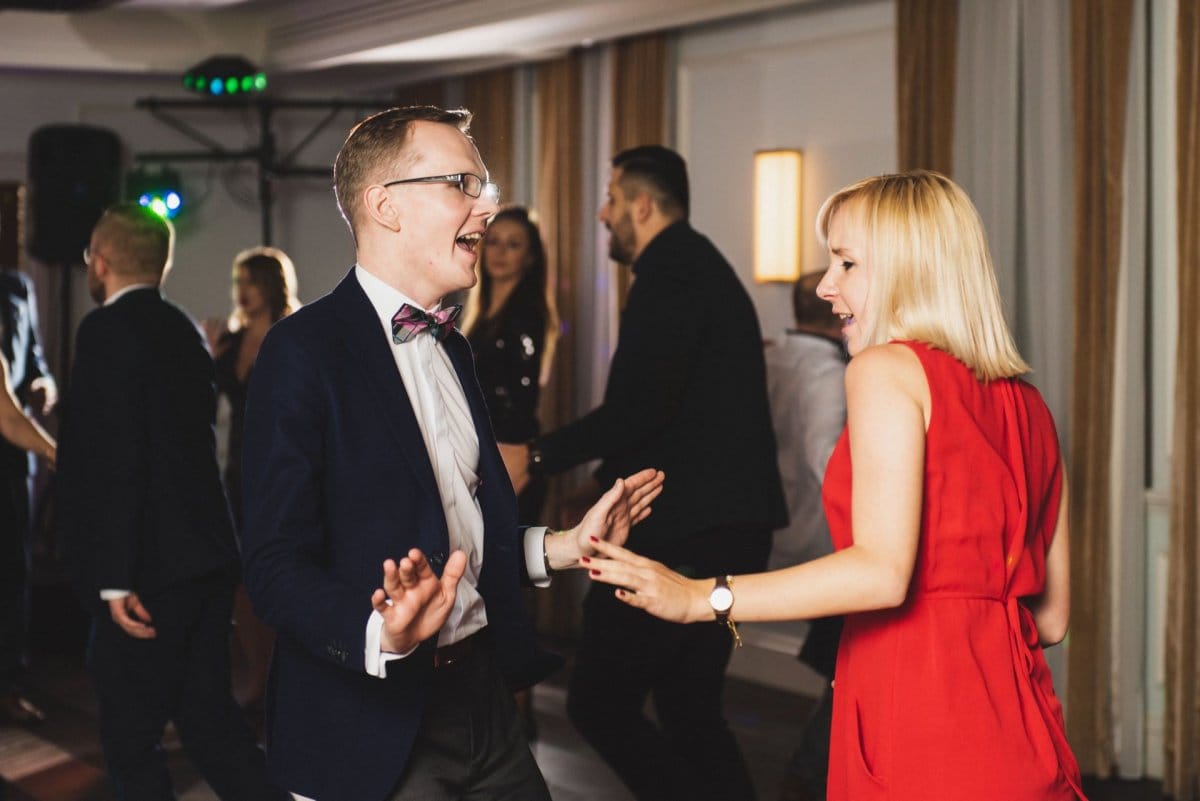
(380, 208)
(643, 207)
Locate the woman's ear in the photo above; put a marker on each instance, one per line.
(380, 208)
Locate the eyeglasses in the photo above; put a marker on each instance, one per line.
(468, 183)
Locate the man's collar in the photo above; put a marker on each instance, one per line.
(125, 290)
(386, 299)
(663, 242)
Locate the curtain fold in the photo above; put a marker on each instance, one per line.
(429, 93)
(639, 81)
(558, 188)
(926, 50)
(491, 98)
(1100, 48)
(1181, 739)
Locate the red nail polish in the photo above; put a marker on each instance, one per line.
(620, 593)
(593, 539)
(595, 572)
(587, 560)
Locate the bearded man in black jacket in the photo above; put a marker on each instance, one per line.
(687, 393)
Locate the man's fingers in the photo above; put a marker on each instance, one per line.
(379, 601)
(130, 626)
(644, 497)
(412, 568)
(139, 611)
(391, 579)
(456, 565)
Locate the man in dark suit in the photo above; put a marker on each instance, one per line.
(380, 537)
(143, 512)
(687, 392)
(34, 387)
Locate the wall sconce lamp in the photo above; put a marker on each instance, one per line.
(777, 175)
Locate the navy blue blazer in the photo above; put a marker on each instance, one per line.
(140, 503)
(336, 480)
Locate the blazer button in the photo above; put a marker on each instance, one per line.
(437, 559)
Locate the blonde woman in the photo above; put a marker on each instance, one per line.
(951, 532)
(263, 293)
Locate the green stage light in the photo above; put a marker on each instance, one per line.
(225, 75)
(161, 191)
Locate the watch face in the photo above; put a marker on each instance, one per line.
(721, 599)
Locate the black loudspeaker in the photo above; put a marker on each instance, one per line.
(74, 175)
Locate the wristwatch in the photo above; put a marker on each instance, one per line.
(720, 598)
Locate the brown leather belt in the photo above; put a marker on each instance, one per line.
(459, 651)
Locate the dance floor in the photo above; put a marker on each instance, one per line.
(60, 759)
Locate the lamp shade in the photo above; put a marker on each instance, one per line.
(777, 240)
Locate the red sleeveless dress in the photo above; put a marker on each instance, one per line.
(948, 697)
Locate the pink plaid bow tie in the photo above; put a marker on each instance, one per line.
(410, 321)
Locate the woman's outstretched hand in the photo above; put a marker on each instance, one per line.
(650, 585)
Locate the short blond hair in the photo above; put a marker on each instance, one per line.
(377, 144)
(932, 278)
(140, 243)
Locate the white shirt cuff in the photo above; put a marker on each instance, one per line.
(376, 658)
(113, 595)
(535, 556)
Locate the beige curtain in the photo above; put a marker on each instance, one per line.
(1100, 45)
(430, 93)
(1181, 777)
(558, 197)
(639, 82)
(490, 96)
(926, 45)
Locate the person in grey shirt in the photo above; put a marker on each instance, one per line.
(805, 385)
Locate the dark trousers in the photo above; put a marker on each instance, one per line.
(626, 656)
(183, 675)
(14, 570)
(471, 745)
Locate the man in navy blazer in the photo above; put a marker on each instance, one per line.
(143, 514)
(381, 537)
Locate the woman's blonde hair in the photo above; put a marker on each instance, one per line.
(931, 274)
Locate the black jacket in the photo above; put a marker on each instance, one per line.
(139, 495)
(687, 394)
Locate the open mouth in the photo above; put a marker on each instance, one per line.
(847, 319)
(469, 242)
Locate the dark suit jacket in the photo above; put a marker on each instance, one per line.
(337, 479)
(686, 393)
(140, 501)
(20, 344)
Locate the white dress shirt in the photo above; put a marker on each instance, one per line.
(806, 388)
(444, 417)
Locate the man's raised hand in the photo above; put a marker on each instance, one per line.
(413, 601)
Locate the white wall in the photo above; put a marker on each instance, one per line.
(222, 215)
(822, 80)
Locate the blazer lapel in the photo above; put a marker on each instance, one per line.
(464, 366)
(369, 348)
